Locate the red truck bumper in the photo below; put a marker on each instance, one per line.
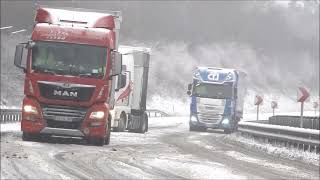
(35, 123)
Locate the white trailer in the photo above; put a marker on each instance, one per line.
(130, 101)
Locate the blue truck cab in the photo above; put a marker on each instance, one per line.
(217, 98)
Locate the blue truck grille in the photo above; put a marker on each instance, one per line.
(209, 113)
(209, 118)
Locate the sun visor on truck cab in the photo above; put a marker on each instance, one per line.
(133, 49)
(79, 17)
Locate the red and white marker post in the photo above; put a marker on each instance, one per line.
(303, 95)
(315, 106)
(257, 101)
(274, 105)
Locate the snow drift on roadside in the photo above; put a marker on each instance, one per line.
(10, 127)
(172, 106)
(284, 152)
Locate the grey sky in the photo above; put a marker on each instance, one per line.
(277, 44)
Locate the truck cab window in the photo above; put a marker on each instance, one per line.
(69, 59)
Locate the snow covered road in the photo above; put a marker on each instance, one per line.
(167, 151)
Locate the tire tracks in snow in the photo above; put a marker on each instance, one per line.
(72, 170)
(165, 152)
(217, 149)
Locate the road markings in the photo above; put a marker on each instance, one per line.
(6, 27)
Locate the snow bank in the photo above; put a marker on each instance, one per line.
(194, 168)
(172, 106)
(9, 107)
(258, 161)
(168, 121)
(10, 127)
(284, 152)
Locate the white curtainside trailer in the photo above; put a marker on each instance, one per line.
(130, 101)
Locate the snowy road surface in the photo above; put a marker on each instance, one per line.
(167, 151)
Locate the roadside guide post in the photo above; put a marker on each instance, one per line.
(315, 106)
(274, 105)
(303, 95)
(257, 101)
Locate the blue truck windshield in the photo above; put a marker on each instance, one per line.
(217, 91)
(69, 59)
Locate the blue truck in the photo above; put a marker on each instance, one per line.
(217, 98)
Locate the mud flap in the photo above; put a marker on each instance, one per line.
(134, 122)
(138, 124)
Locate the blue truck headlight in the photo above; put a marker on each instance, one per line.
(225, 121)
(193, 119)
(229, 77)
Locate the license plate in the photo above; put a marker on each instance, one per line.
(63, 118)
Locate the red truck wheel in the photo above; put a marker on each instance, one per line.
(108, 129)
(26, 136)
(96, 141)
(143, 124)
(30, 137)
(122, 123)
(104, 140)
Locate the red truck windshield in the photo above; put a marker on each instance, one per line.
(69, 59)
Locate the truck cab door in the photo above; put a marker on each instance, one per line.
(111, 99)
(116, 68)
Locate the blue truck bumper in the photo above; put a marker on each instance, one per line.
(213, 126)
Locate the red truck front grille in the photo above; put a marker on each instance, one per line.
(66, 117)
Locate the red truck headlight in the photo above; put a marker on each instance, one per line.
(30, 109)
(97, 115)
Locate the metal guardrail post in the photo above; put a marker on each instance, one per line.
(10, 115)
(156, 113)
(301, 117)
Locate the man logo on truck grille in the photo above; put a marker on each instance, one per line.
(65, 93)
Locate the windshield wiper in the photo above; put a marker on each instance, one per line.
(85, 75)
(99, 75)
(49, 72)
(43, 70)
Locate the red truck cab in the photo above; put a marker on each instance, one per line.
(70, 68)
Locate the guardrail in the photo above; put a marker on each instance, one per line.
(10, 115)
(156, 113)
(259, 121)
(294, 121)
(14, 115)
(301, 138)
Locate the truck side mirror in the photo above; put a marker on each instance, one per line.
(189, 92)
(116, 63)
(30, 44)
(18, 56)
(124, 68)
(236, 93)
(189, 87)
(122, 79)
